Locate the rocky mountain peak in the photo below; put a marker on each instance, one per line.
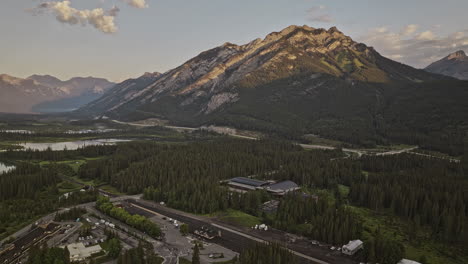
(11, 80)
(457, 55)
(151, 74)
(454, 65)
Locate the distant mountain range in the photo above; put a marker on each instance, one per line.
(45, 93)
(454, 65)
(297, 81)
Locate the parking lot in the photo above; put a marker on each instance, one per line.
(181, 245)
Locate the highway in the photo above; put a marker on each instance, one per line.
(358, 152)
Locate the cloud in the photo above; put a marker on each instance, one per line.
(137, 3)
(98, 18)
(318, 14)
(409, 30)
(426, 35)
(413, 47)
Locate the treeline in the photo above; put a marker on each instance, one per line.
(79, 197)
(266, 254)
(464, 159)
(47, 255)
(30, 191)
(121, 158)
(26, 181)
(139, 255)
(427, 192)
(383, 249)
(71, 214)
(137, 221)
(59, 155)
(318, 219)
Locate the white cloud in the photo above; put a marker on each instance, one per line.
(409, 30)
(137, 3)
(98, 18)
(426, 35)
(318, 14)
(413, 47)
(381, 29)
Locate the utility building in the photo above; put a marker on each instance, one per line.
(352, 247)
(78, 252)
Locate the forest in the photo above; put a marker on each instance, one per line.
(187, 177)
(47, 255)
(425, 193)
(139, 255)
(266, 254)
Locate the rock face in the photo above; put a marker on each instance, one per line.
(454, 65)
(212, 80)
(41, 91)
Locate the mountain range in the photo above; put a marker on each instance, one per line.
(45, 93)
(297, 81)
(454, 65)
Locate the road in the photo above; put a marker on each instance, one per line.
(182, 129)
(358, 152)
(238, 238)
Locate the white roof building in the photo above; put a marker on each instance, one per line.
(407, 261)
(352, 247)
(79, 252)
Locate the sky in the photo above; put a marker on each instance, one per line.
(120, 39)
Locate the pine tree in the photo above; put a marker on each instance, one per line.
(196, 255)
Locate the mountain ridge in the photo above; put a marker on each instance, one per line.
(296, 81)
(291, 51)
(37, 92)
(454, 65)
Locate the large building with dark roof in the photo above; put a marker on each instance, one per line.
(282, 188)
(243, 184)
(246, 184)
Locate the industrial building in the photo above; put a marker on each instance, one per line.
(352, 247)
(282, 188)
(243, 184)
(78, 251)
(246, 184)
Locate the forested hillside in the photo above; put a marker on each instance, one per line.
(187, 177)
(394, 203)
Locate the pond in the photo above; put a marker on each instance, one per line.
(71, 145)
(5, 168)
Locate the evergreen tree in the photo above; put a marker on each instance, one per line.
(196, 255)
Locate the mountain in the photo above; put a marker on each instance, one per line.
(19, 95)
(454, 65)
(300, 80)
(45, 93)
(122, 91)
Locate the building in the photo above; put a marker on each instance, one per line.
(270, 206)
(352, 247)
(407, 261)
(78, 251)
(245, 184)
(282, 188)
